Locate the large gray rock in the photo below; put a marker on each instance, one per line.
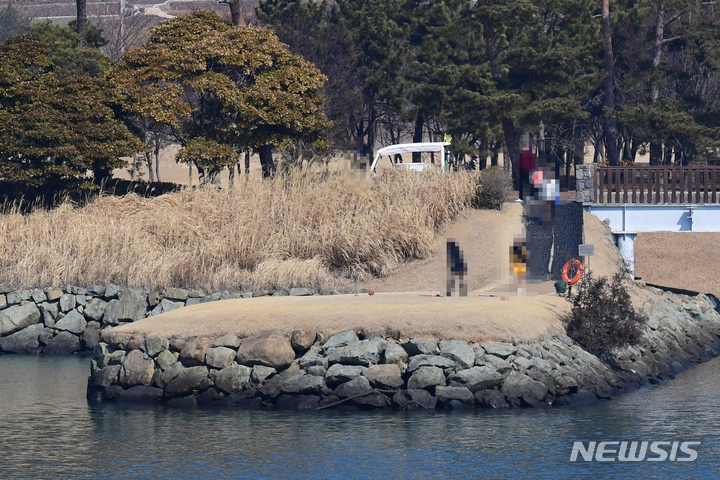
(107, 376)
(271, 349)
(303, 384)
(490, 399)
(140, 394)
(499, 349)
(176, 294)
(166, 359)
(394, 353)
(49, 313)
(187, 380)
(338, 374)
(386, 376)
(24, 341)
(430, 361)
(365, 352)
(234, 378)
(73, 322)
(260, 373)
(168, 305)
(414, 398)
(476, 378)
(446, 394)
(137, 369)
(519, 385)
(230, 341)
(13, 298)
(112, 291)
(301, 340)
(54, 294)
(18, 317)
(110, 315)
(498, 364)
(193, 352)
(219, 357)
(421, 346)
(67, 302)
(341, 340)
(272, 387)
(91, 335)
(426, 378)
(97, 290)
(459, 351)
(355, 387)
(95, 309)
(130, 307)
(38, 296)
(64, 343)
(155, 344)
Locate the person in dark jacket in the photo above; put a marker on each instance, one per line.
(456, 269)
(528, 164)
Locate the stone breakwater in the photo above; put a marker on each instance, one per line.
(57, 321)
(307, 371)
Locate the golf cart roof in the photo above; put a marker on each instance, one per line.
(410, 148)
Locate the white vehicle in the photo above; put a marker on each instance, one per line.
(401, 148)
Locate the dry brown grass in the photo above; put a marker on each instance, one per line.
(308, 229)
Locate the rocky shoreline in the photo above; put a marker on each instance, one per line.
(307, 371)
(63, 321)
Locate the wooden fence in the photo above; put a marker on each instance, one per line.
(657, 185)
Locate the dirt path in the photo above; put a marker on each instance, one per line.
(484, 237)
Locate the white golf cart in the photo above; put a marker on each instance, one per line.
(394, 152)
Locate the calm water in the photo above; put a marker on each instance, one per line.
(48, 430)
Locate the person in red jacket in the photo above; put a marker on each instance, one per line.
(528, 164)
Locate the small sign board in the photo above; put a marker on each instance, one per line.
(586, 250)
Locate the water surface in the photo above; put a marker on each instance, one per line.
(47, 429)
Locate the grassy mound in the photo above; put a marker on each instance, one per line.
(306, 229)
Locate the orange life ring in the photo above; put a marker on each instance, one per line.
(578, 267)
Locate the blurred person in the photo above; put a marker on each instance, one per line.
(528, 164)
(456, 269)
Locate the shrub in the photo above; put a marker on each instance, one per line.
(493, 187)
(602, 316)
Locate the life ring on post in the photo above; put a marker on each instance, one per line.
(578, 269)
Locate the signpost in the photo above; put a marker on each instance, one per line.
(586, 251)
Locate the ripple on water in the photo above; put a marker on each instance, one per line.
(48, 430)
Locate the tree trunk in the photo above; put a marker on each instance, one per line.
(148, 160)
(609, 125)
(235, 12)
(634, 149)
(231, 177)
(81, 24)
(157, 162)
(507, 123)
(133, 174)
(266, 161)
(569, 153)
(656, 147)
(418, 136)
(247, 165)
(667, 160)
(657, 47)
(627, 152)
(189, 174)
(655, 153)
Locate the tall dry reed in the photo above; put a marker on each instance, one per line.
(305, 229)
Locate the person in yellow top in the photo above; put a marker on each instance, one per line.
(518, 264)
